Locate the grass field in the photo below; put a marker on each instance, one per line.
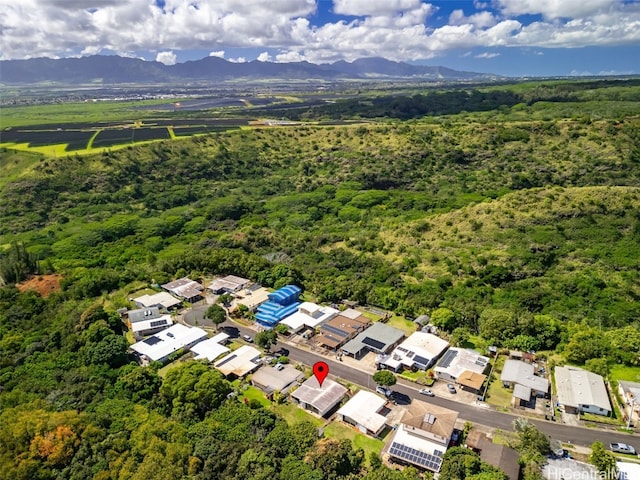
(621, 372)
(294, 414)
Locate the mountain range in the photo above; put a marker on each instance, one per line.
(103, 69)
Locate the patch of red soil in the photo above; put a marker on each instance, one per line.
(43, 284)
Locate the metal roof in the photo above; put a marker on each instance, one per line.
(577, 387)
(378, 336)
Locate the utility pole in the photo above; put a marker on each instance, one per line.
(633, 402)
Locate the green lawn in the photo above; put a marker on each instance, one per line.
(622, 372)
(253, 393)
(402, 323)
(339, 430)
(294, 414)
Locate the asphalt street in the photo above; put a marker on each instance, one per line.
(474, 413)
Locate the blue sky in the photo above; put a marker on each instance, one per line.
(508, 37)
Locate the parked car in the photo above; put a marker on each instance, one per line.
(384, 391)
(427, 392)
(400, 398)
(248, 338)
(279, 366)
(451, 387)
(622, 448)
(283, 352)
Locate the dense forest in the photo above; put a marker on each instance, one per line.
(519, 224)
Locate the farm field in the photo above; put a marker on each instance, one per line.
(94, 137)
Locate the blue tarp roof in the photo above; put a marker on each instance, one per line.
(286, 295)
(270, 313)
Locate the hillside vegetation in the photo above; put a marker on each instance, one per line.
(520, 225)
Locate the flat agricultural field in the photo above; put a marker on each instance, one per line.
(94, 136)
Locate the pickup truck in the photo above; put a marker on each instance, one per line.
(622, 448)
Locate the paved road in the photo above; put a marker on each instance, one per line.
(472, 412)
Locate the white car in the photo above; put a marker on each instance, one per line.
(622, 448)
(427, 392)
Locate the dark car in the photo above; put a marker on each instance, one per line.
(400, 398)
(283, 352)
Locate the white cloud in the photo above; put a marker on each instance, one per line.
(264, 57)
(168, 58)
(238, 60)
(556, 8)
(487, 55)
(374, 7)
(219, 54)
(480, 19)
(396, 29)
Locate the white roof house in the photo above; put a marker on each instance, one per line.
(581, 390)
(240, 362)
(162, 300)
(211, 348)
(457, 361)
(420, 350)
(309, 315)
(184, 288)
(159, 346)
(628, 470)
(520, 373)
(229, 284)
(311, 396)
(143, 328)
(351, 313)
(363, 411)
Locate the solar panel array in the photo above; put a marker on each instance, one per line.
(152, 340)
(372, 342)
(157, 323)
(426, 460)
(421, 360)
(447, 358)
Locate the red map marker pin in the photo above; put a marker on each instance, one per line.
(320, 370)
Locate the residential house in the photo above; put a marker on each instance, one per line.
(240, 362)
(229, 284)
(251, 298)
(500, 456)
(581, 391)
(365, 411)
(418, 352)
(378, 338)
(309, 315)
(521, 376)
(340, 329)
(162, 300)
(282, 303)
(464, 367)
(270, 379)
(422, 436)
(185, 288)
(160, 346)
(630, 395)
(147, 321)
(319, 399)
(211, 348)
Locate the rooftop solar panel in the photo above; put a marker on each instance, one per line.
(372, 342)
(421, 360)
(152, 340)
(157, 323)
(416, 457)
(448, 358)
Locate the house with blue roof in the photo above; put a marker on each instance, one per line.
(281, 304)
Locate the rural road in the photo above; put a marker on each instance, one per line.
(472, 412)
